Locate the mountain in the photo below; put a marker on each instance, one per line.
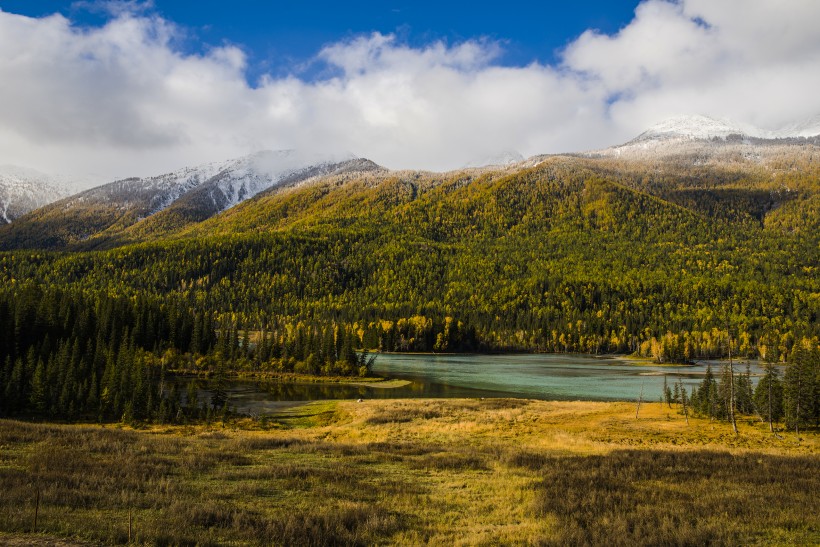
(102, 215)
(503, 158)
(22, 190)
(805, 128)
(704, 128)
(694, 128)
(692, 141)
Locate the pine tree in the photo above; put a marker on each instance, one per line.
(39, 394)
(800, 392)
(768, 397)
(219, 393)
(192, 399)
(667, 392)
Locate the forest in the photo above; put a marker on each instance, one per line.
(567, 256)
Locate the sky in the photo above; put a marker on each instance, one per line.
(110, 89)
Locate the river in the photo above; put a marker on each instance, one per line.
(531, 376)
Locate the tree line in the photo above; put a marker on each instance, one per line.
(73, 355)
(787, 393)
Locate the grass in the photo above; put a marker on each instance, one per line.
(443, 472)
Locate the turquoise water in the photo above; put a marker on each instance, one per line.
(548, 377)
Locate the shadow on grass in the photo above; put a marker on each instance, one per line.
(677, 498)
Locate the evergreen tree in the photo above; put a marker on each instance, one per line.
(667, 392)
(800, 392)
(768, 397)
(39, 394)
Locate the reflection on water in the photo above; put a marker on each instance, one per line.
(548, 377)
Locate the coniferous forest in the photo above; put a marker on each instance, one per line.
(571, 255)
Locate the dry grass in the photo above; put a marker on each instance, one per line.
(443, 472)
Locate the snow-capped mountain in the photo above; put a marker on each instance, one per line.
(697, 140)
(23, 190)
(246, 177)
(221, 184)
(191, 194)
(694, 127)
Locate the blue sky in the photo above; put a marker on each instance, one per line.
(106, 89)
(283, 37)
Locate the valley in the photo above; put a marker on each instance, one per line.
(128, 311)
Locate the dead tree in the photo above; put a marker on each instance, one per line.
(683, 400)
(731, 408)
(640, 400)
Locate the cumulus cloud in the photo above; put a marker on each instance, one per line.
(754, 61)
(122, 99)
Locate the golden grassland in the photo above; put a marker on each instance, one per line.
(443, 472)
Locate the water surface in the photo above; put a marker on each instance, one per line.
(541, 376)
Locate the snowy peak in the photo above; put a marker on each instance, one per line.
(151, 194)
(22, 190)
(248, 176)
(695, 127)
(216, 186)
(699, 140)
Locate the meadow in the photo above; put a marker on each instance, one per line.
(442, 472)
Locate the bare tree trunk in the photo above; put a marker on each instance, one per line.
(640, 400)
(797, 410)
(771, 426)
(36, 509)
(731, 387)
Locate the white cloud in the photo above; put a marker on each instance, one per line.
(122, 99)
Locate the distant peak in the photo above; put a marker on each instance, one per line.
(696, 127)
(505, 157)
(806, 128)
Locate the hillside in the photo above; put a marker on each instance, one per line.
(567, 255)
